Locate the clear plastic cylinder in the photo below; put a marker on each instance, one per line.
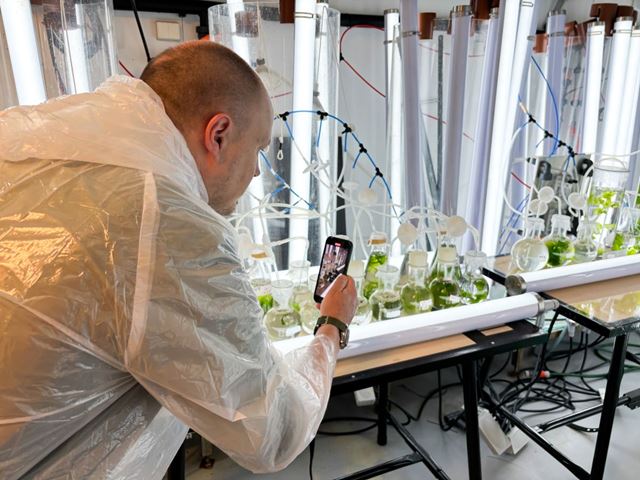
(605, 199)
(253, 30)
(77, 44)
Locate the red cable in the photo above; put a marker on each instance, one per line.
(513, 174)
(342, 57)
(126, 69)
(433, 117)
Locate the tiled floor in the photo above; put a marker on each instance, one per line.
(336, 456)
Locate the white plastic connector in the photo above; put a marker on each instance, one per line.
(571, 328)
(365, 397)
(517, 439)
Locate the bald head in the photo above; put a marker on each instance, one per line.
(198, 79)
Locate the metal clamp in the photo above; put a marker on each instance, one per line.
(544, 305)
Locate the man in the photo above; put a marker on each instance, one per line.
(124, 314)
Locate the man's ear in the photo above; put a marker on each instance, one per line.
(216, 134)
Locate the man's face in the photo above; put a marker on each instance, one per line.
(240, 159)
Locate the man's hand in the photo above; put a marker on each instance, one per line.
(341, 300)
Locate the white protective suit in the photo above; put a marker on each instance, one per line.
(125, 315)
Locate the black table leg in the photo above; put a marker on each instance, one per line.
(383, 404)
(616, 370)
(469, 388)
(177, 468)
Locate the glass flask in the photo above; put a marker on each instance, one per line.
(627, 237)
(260, 278)
(415, 295)
(363, 312)
(446, 276)
(586, 249)
(281, 320)
(530, 253)
(302, 298)
(605, 200)
(474, 287)
(378, 256)
(561, 250)
(385, 300)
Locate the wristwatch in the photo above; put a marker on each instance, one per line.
(342, 327)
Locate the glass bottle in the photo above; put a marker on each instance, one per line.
(302, 298)
(260, 278)
(363, 312)
(446, 276)
(586, 249)
(561, 250)
(530, 253)
(474, 288)
(415, 295)
(281, 320)
(378, 256)
(385, 300)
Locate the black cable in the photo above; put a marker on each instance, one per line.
(443, 427)
(312, 448)
(374, 423)
(144, 40)
(580, 428)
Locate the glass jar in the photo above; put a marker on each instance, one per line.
(474, 288)
(378, 256)
(628, 233)
(385, 300)
(530, 253)
(415, 295)
(561, 250)
(281, 320)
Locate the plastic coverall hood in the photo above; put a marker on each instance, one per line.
(125, 315)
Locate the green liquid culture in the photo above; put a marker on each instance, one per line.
(302, 299)
(385, 301)
(474, 287)
(363, 311)
(260, 278)
(378, 256)
(282, 321)
(603, 209)
(561, 250)
(415, 295)
(446, 277)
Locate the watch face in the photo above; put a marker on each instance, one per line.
(344, 338)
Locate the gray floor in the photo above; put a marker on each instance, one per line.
(336, 456)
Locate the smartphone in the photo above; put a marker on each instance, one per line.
(335, 261)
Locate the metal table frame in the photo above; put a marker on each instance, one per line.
(618, 330)
(523, 334)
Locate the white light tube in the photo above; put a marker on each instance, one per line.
(23, 51)
(610, 135)
(379, 336)
(302, 123)
(460, 31)
(484, 123)
(554, 74)
(572, 275)
(393, 64)
(411, 121)
(631, 88)
(328, 59)
(77, 73)
(591, 99)
(514, 34)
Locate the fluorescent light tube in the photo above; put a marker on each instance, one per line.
(572, 275)
(387, 334)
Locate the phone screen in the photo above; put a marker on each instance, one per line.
(335, 261)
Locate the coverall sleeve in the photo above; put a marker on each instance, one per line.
(197, 343)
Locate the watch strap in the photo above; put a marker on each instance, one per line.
(342, 327)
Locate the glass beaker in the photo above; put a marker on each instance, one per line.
(605, 199)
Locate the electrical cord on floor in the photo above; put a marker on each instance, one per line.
(374, 423)
(312, 448)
